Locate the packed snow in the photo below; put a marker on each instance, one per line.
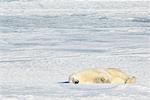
(42, 42)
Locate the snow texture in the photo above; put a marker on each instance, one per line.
(42, 42)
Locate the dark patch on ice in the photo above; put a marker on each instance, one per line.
(102, 18)
(11, 61)
(78, 39)
(47, 16)
(26, 44)
(78, 15)
(81, 50)
(144, 20)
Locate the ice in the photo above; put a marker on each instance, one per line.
(42, 42)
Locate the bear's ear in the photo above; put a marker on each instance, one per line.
(131, 80)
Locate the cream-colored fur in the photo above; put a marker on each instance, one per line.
(110, 75)
(120, 77)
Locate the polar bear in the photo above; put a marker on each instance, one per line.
(108, 76)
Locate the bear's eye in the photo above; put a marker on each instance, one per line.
(76, 82)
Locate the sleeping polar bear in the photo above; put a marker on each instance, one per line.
(110, 75)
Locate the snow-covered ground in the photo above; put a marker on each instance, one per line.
(42, 42)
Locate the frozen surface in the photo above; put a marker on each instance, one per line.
(42, 42)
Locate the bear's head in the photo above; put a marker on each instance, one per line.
(73, 79)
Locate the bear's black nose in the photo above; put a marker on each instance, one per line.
(76, 82)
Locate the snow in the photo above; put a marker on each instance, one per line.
(41, 44)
